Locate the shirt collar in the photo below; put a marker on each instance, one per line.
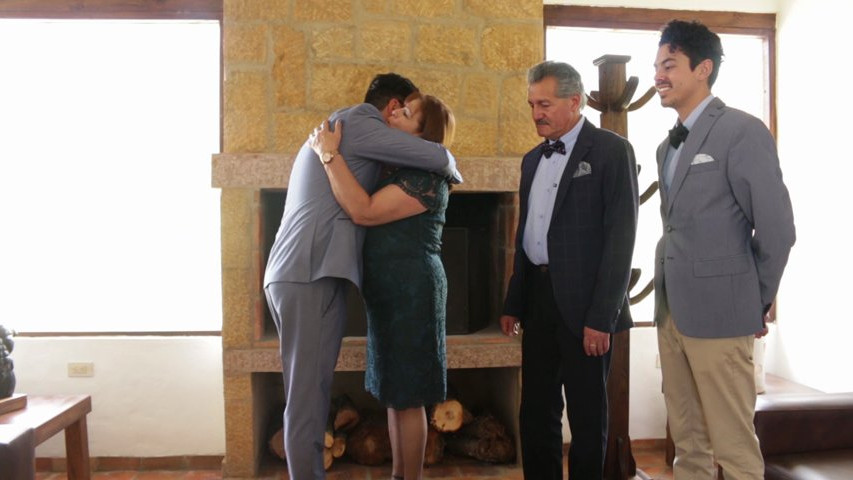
(694, 115)
(569, 138)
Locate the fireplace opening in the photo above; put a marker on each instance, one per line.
(471, 253)
(480, 390)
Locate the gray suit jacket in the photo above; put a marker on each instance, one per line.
(728, 227)
(316, 238)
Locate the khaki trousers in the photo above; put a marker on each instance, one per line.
(709, 388)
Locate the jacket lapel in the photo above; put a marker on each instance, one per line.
(581, 148)
(694, 140)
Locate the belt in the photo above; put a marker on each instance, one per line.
(541, 268)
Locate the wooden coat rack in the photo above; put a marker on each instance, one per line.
(613, 100)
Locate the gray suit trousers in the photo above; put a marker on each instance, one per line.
(310, 318)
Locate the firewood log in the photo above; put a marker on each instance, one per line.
(485, 439)
(434, 451)
(276, 444)
(327, 458)
(329, 434)
(368, 443)
(346, 414)
(340, 444)
(448, 416)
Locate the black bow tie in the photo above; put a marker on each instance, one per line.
(548, 148)
(677, 135)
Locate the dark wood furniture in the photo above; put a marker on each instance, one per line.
(42, 417)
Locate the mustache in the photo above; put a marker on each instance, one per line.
(543, 122)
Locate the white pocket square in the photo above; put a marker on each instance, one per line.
(701, 158)
(584, 168)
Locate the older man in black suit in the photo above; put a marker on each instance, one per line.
(568, 290)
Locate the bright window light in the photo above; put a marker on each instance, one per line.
(740, 84)
(109, 222)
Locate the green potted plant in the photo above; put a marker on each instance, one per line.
(7, 366)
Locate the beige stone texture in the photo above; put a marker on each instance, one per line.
(240, 444)
(373, 6)
(322, 10)
(512, 47)
(479, 95)
(515, 9)
(517, 132)
(292, 129)
(238, 386)
(245, 43)
(387, 41)
(236, 207)
(252, 10)
(335, 42)
(475, 138)
(424, 8)
(444, 84)
(488, 174)
(289, 67)
(240, 291)
(245, 110)
(337, 85)
(446, 45)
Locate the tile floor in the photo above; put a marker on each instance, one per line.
(649, 456)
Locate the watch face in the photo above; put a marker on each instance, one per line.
(327, 157)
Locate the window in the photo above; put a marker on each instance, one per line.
(579, 35)
(106, 133)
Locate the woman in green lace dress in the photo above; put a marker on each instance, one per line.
(404, 285)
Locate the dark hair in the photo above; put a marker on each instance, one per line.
(695, 41)
(437, 123)
(386, 86)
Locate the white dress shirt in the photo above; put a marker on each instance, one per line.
(543, 193)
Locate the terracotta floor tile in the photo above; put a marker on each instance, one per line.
(119, 475)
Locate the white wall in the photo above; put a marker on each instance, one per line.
(812, 341)
(151, 396)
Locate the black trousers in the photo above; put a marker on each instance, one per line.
(553, 362)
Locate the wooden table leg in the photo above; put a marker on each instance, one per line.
(77, 450)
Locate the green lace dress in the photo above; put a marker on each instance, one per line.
(405, 292)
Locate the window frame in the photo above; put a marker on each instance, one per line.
(121, 10)
(762, 25)
(759, 24)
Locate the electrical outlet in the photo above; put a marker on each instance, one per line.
(81, 369)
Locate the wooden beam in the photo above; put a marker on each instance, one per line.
(113, 9)
(654, 19)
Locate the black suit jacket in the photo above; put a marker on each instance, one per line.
(591, 237)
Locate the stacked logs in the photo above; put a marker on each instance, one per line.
(343, 417)
(452, 428)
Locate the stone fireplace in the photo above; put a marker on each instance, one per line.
(286, 65)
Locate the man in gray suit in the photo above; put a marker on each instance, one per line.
(727, 230)
(317, 250)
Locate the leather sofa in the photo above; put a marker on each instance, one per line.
(806, 436)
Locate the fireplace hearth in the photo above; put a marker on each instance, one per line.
(477, 253)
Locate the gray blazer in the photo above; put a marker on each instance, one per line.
(728, 227)
(316, 238)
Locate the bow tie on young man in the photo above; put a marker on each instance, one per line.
(678, 134)
(548, 148)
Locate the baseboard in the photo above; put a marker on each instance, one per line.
(109, 464)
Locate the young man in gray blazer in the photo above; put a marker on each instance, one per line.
(317, 251)
(727, 230)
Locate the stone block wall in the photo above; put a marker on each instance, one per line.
(289, 63)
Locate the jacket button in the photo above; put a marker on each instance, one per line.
(661, 261)
(669, 228)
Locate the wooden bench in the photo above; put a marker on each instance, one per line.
(42, 417)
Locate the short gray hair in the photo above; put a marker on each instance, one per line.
(568, 79)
